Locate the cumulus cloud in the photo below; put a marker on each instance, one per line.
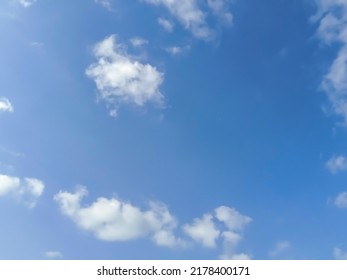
(5, 105)
(192, 16)
(226, 225)
(339, 254)
(279, 248)
(53, 255)
(166, 24)
(116, 220)
(203, 231)
(337, 164)
(341, 200)
(28, 190)
(120, 78)
(27, 3)
(332, 17)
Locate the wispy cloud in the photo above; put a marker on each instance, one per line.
(337, 164)
(105, 3)
(192, 16)
(339, 254)
(27, 3)
(5, 105)
(121, 79)
(138, 42)
(341, 200)
(166, 24)
(279, 248)
(332, 17)
(27, 190)
(53, 255)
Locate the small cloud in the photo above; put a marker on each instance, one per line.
(53, 255)
(176, 50)
(27, 3)
(28, 190)
(279, 248)
(166, 24)
(138, 42)
(105, 3)
(121, 79)
(339, 254)
(5, 105)
(341, 200)
(337, 164)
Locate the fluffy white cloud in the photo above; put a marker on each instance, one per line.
(341, 200)
(339, 254)
(166, 24)
(28, 190)
(5, 105)
(332, 16)
(336, 164)
(203, 231)
(120, 78)
(116, 220)
(27, 3)
(279, 248)
(191, 15)
(53, 255)
(225, 225)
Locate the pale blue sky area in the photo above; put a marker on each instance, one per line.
(183, 129)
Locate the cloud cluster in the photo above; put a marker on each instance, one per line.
(5, 105)
(193, 14)
(116, 220)
(112, 219)
(332, 16)
(120, 78)
(27, 190)
(341, 200)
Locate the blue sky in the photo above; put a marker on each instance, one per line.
(183, 129)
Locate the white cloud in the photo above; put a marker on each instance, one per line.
(339, 254)
(176, 50)
(203, 231)
(232, 219)
(122, 79)
(279, 248)
(8, 184)
(105, 3)
(138, 42)
(27, 3)
(341, 200)
(5, 105)
(53, 255)
(336, 164)
(166, 24)
(332, 16)
(28, 190)
(116, 220)
(226, 225)
(191, 15)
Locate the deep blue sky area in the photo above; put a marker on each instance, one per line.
(185, 129)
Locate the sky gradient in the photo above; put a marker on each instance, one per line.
(173, 129)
